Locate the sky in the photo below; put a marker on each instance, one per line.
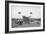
(25, 11)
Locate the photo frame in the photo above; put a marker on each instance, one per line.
(23, 16)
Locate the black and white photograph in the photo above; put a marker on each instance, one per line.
(25, 16)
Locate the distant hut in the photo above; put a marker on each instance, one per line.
(26, 19)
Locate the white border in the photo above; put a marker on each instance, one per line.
(26, 28)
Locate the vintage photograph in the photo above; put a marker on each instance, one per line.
(25, 16)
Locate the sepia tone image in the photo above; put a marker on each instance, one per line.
(25, 16)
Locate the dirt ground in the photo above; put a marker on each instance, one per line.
(31, 24)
